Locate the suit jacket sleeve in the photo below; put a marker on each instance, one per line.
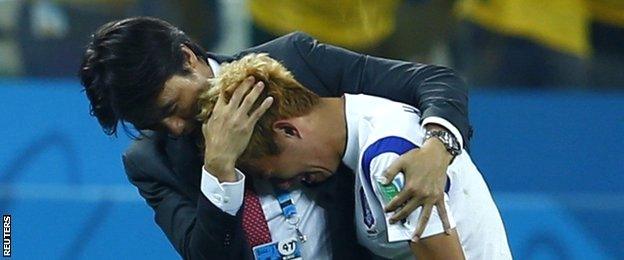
(197, 229)
(435, 90)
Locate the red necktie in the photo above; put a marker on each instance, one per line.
(254, 222)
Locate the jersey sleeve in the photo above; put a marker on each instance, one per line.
(375, 160)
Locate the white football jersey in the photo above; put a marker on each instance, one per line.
(379, 131)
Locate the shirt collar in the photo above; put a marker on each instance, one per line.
(352, 116)
(214, 65)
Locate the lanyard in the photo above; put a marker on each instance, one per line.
(290, 211)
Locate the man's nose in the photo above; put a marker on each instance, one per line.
(175, 125)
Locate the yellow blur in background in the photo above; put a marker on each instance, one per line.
(355, 24)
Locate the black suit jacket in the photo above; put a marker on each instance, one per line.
(167, 171)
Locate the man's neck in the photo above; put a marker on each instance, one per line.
(328, 119)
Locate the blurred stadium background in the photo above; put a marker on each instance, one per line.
(546, 100)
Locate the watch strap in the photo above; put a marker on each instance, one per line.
(450, 142)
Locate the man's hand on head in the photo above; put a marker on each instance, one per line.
(425, 179)
(228, 130)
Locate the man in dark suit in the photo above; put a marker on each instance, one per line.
(145, 72)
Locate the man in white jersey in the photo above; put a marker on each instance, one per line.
(378, 132)
(366, 134)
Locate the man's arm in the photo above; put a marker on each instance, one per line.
(436, 91)
(197, 229)
(204, 231)
(435, 244)
(440, 246)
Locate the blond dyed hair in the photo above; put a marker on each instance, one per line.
(290, 99)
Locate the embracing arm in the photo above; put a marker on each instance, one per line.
(197, 229)
(436, 91)
(384, 146)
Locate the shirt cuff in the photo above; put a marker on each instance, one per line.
(446, 124)
(228, 196)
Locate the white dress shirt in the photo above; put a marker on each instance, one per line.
(229, 197)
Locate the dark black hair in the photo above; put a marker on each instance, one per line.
(125, 66)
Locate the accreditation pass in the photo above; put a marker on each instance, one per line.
(288, 249)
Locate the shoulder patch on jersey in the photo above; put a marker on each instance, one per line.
(389, 144)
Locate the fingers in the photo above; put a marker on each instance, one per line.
(444, 216)
(391, 171)
(422, 222)
(240, 92)
(220, 100)
(399, 200)
(266, 104)
(405, 211)
(251, 98)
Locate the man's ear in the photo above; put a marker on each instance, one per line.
(190, 59)
(286, 129)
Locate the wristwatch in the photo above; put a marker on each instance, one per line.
(450, 142)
